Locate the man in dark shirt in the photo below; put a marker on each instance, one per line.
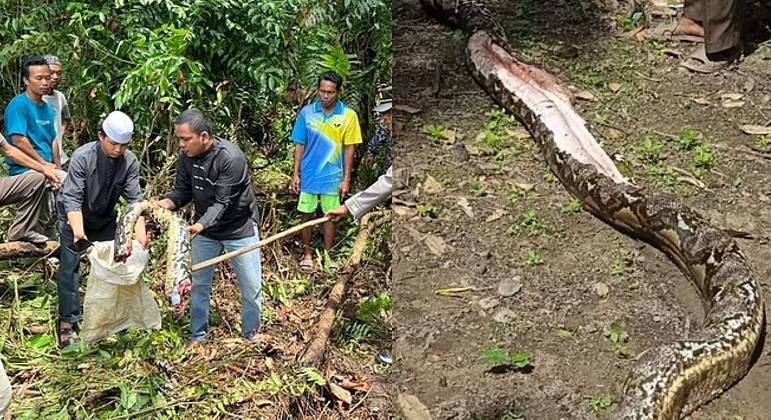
(213, 173)
(99, 173)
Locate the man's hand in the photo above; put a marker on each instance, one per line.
(296, 183)
(53, 175)
(336, 214)
(195, 230)
(345, 188)
(163, 204)
(78, 234)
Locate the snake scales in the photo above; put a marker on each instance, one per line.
(178, 257)
(671, 380)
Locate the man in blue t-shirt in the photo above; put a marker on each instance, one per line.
(325, 135)
(30, 124)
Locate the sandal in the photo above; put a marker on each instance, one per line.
(67, 336)
(306, 265)
(698, 61)
(665, 31)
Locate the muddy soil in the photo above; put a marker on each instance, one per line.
(483, 213)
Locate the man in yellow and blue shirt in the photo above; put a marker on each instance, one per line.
(325, 135)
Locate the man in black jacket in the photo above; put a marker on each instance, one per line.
(213, 173)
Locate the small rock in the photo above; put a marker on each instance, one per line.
(591, 328)
(436, 244)
(614, 87)
(460, 152)
(497, 214)
(509, 287)
(601, 290)
(504, 316)
(585, 95)
(464, 205)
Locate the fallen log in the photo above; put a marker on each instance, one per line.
(18, 249)
(314, 353)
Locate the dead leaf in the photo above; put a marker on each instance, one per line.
(436, 244)
(614, 87)
(701, 101)
(406, 108)
(524, 187)
(754, 130)
(449, 136)
(454, 291)
(464, 205)
(601, 290)
(585, 95)
(416, 236)
(518, 133)
(412, 408)
(489, 302)
(672, 53)
(355, 386)
(340, 393)
(497, 214)
(732, 96)
(432, 186)
(404, 211)
(730, 103)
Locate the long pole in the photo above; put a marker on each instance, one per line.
(260, 244)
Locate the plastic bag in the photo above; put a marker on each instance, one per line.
(5, 390)
(116, 297)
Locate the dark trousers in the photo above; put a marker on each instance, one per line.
(68, 281)
(722, 21)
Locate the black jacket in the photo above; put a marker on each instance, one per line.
(219, 185)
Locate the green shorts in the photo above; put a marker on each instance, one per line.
(310, 202)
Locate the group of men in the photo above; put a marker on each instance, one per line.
(212, 173)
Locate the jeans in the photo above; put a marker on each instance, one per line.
(249, 272)
(68, 281)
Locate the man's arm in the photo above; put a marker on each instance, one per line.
(73, 194)
(133, 191)
(299, 151)
(363, 202)
(345, 188)
(21, 159)
(23, 144)
(57, 156)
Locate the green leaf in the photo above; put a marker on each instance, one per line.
(497, 356)
(314, 376)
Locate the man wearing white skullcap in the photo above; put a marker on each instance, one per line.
(99, 173)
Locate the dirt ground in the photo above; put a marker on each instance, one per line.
(543, 277)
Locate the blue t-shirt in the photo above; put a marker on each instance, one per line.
(324, 137)
(23, 117)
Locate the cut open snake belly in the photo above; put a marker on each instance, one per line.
(177, 278)
(667, 381)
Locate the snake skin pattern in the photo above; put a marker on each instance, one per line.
(671, 380)
(178, 251)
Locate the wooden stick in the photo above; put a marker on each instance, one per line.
(260, 244)
(315, 350)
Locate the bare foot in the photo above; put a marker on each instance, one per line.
(688, 27)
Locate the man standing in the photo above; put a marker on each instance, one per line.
(325, 136)
(100, 172)
(26, 191)
(214, 174)
(58, 102)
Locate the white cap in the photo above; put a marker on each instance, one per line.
(383, 107)
(118, 127)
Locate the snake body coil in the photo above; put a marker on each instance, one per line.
(671, 380)
(178, 251)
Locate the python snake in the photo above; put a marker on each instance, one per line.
(178, 253)
(671, 380)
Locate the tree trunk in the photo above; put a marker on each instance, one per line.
(315, 351)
